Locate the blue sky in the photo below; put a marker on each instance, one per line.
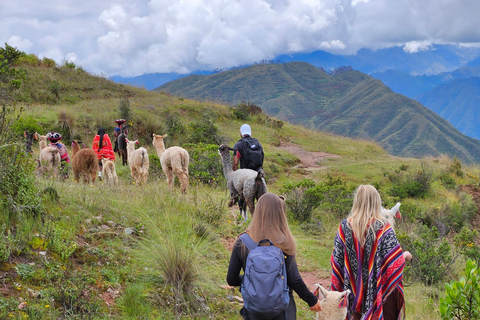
(132, 37)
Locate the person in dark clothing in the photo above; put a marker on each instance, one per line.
(239, 156)
(117, 131)
(270, 222)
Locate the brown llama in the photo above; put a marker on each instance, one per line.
(84, 163)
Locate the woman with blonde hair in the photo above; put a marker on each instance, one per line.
(368, 260)
(270, 222)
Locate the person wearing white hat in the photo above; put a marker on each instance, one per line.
(248, 152)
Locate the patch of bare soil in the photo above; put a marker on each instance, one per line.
(312, 277)
(474, 191)
(308, 159)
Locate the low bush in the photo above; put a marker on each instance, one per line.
(204, 131)
(205, 164)
(414, 185)
(466, 241)
(462, 298)
(432, 255)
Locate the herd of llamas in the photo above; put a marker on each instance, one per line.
(242, 183)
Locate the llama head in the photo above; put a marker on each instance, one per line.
(394, 213)
(104, 160)
(338, 298)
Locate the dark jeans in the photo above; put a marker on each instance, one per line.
(289, 314)
(391, 306)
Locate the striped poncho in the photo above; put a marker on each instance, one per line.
(372, 273)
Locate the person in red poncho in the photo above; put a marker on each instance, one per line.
(102, 146)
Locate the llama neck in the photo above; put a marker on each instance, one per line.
(130, 149)
(75, 148)
(42, 145)
(227, 164)
(159, 147)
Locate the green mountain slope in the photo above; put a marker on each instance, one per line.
(352, 104)
(457, 101)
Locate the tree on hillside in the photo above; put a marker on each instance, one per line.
(10, 77)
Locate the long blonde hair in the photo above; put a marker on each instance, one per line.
(270, 222)
(366, 209)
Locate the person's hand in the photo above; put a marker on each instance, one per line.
(407, 255)
(316, 307)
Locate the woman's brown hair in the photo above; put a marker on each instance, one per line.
(270, 222)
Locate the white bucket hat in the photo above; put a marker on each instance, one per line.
(245, 129)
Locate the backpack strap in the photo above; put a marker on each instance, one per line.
(248, 242)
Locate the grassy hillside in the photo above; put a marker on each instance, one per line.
(147, 252)
(350, 104)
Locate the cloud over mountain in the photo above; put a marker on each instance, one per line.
(134, 37)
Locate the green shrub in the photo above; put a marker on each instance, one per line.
(332, 196)
(456, 168)
(124, 109)
(174, 125)
(462, 298)
(30, 60)
(49, 62)
(415, 185)
(205, 164)
(432, 257)
(466, 241)
(61, 241)
(68, 64)
(447, 181)
(155, 167)
(204, 131)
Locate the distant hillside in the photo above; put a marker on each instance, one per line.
(415, 85)
(458, 102)
(352, 104)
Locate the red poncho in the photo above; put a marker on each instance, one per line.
(106, 151)
(371, 272)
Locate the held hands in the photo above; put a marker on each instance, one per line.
(316, 307)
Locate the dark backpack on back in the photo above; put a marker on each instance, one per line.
(253, 153)
(264, 288)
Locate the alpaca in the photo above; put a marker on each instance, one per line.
(122, 147)
(334, 303)
(84, 163)
(246, 183)
(108, 172)
(49, 158)
(174, 160)
(392, 214)
(138, 161)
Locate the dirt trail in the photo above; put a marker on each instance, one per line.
(309, 160)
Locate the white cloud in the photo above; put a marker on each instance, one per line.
(131, 37)
(417, 46)
(20, 43)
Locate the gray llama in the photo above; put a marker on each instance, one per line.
(246, 183)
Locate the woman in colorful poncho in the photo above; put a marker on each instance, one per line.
(102, 146)
(368, 260)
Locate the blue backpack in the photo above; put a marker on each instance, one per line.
(264, 288)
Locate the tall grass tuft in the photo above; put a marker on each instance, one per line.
(66, 122)
(173, 249)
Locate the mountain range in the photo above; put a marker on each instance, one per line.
(350, 103)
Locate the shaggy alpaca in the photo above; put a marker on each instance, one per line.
(246, 183)
(108, 172)
(84, 163)
(138, 161)
(49, 158)
(334, 303)
(392, 214)
(174, 160)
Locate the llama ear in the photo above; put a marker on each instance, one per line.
(164, 136)
(136, 141)
(154, 135)
(320, 292)
(35, 135)
(25, 134)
